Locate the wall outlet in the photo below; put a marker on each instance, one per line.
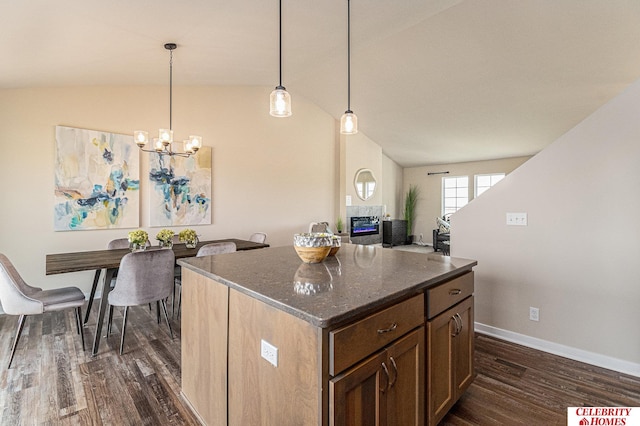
(534, 314)
(269, 352)
(517, 219)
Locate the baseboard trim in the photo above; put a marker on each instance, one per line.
(575, 354)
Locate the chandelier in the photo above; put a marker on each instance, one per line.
(163, 144)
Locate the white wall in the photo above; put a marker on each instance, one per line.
(429, 205)
(577, 258)
(269, 174)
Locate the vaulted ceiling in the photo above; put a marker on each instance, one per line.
(432, 81)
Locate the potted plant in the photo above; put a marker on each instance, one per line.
(188, 237)
(165, 238)
(339, 225)
(410, 202)
(138, 240)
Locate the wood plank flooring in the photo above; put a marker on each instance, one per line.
(54, 382)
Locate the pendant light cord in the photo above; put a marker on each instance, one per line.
(349, 55)
(170, 88)
(280, 41)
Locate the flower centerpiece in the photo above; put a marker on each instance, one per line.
(165, 237)
(138, 240)
(188, 237)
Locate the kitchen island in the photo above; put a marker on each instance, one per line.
(267, 339)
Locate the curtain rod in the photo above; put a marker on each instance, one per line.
(437, 173)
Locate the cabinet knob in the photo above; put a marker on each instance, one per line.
(387, 330)
(454, 292)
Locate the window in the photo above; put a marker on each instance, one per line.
(455, 194)
(484, 182)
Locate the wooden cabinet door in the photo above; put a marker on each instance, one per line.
(356, 396)
(405, 394)
(440, 351)
(463, 347)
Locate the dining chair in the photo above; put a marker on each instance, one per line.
(143, 277)
(19, 298)
(118, 243)
(207, 250)
(319, 227)
(258, 237)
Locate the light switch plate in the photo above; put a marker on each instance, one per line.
(517, 219)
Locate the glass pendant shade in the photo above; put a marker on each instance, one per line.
(349, 123)
(166, 136)
(280, 102)
(141, 137)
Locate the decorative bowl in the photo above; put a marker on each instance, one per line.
(312, 247)
(336, 242)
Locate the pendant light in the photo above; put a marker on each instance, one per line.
(349, 121)
(163, 144)
(280, 100)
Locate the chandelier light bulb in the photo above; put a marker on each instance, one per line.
(141, 137)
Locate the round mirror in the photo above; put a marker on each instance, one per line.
(365, 184)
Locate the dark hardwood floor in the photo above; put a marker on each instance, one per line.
(54, 382)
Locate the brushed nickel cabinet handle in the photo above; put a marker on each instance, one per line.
(461, 323)
(387, 330)
(455, 321)
(386, 372)
(395, 367)
(454, 292)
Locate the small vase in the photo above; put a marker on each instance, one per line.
(191, 244)
(166, 244)
(137, 246)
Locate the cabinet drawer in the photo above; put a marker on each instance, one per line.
(445, 295)
(354, 342)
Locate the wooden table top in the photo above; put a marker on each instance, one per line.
(60, 263)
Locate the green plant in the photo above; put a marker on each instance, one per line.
(165, 235)
(138, 236)
(187, 235)
(410, 202)
(339, 225)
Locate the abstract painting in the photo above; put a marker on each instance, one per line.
(97, 180)
(180, 192)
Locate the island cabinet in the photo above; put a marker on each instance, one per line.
(450, 347)
(386, 386)
(371, 337)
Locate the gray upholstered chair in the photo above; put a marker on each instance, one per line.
(216, 248)
(207, 250)
(258, 237)
(119, 243)
(143, 277)
(19, 298)
(320, 227)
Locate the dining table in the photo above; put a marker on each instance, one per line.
(109, 260)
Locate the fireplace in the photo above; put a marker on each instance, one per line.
(364, 225)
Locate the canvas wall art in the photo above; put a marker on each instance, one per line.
(97, 180)
(180, 189)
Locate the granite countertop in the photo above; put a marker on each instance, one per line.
(359, 279)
